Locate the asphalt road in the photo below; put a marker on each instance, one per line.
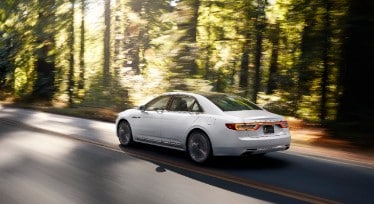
(47, 158)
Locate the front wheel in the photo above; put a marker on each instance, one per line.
(199, 147)
(124, 133)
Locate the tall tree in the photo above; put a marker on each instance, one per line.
(9, 46)
(189, 15)
(325, 59)
(71, 42)
(244, 66)
(245, 52)
(9, 43)
(273, 70)
(118, 36)
(44, 86)
(356, 103)
(107, 22)
(137, 33)
(260, 27)
(208, 45)
(307, 46)
(81, 80)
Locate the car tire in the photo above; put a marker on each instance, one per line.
(124, 133)
(199, 147)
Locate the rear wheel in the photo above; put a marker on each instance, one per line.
(124, 133)
(198, 147)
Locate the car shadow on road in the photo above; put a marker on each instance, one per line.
(248, 162)
(223, 172)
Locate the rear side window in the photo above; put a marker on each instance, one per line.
(196, 107)
(232, 103)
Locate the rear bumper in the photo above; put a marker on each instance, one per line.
(254, 146)
(262, 150)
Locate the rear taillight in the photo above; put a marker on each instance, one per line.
(254, 125)
(242, 126)
(283, 124)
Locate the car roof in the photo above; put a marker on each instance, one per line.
(200, 93)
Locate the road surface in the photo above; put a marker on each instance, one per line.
(48, 158)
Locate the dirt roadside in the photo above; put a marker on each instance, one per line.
(316, 141)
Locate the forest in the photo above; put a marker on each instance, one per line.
(308, 59)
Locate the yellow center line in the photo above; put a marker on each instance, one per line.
(192, 168)
(234, 179)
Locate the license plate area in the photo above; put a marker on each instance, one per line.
(268, 129)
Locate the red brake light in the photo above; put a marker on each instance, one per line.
(254, 125)
(283, 124)
(231, 126)
(242, 126)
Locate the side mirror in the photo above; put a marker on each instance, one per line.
(142, 108)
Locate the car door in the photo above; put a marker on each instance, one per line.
(178, 119)
(148, 123)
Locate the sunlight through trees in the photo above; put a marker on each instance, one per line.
(301, 58)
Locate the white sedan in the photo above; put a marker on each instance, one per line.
(204, 125)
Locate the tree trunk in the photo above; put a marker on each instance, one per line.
(71, 42)
(244, 67)
(44, 86)
(106, 68)
(260, 26)
(271, 85)
(82, 48)
(304, 74)
(186, 57)
(325, 57)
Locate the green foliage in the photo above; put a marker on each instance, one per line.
(113, 96)
(15, 39)
(157, 46)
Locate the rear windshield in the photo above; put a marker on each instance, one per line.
(232, 103)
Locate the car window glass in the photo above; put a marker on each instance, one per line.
(196, 107)
(159, 103)
(233, 103)
(182, 103)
